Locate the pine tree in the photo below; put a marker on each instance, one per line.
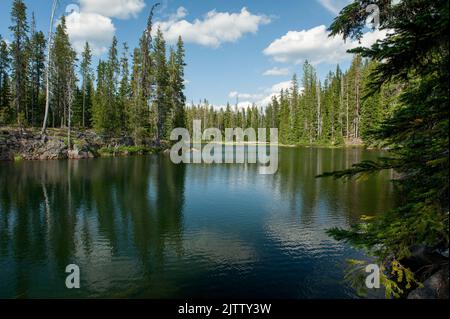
(176, 84)
(86, 75)
(36, 72)
(294, 107)
(20, 56)
(100, 107)
(124, 90)
(62, 76)
(161, 103)
(5, 109)
(113, 111)
(138, 113)
(284, 118)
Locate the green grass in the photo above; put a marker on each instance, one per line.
(126, 150)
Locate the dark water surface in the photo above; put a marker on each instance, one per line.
(142, 227)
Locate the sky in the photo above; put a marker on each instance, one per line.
(236, 51)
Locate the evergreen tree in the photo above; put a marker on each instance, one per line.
(62, 76)
(36, 72)
(86, 75)
(5, 106)
(284, 128)
(294, 107)
(176, 84)
(416, 132)
(137, 115)
(20, 56)
(124, 90)
(100, 107)
(113, 111)
(161, 103)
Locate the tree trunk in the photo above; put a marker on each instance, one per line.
(47, 77)
(348, 133)
(319, 124)
(84, 101)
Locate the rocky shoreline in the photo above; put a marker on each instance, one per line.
(28, 144)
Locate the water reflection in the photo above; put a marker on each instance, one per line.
(144, 227)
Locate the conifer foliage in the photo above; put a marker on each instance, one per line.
(412, 61)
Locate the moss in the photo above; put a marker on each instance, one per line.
(18, 158)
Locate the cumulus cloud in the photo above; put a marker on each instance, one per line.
(94, 28)
(122, 9)
(277, 71)
(213, 29)
(244, 96)
(334, 6)
(316, 46)
(274, 91)
(276, 88)
(262, 98)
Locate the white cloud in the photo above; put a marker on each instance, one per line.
(180, 14)
(276, 88)
(277, 71)
(122, 9)
(244, 96)
(274, 91)
(260, 99)
(213, 29)
(334, 6)
(244, 105)
(94, 28)
(316, 46)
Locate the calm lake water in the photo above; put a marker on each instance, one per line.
(142, 227)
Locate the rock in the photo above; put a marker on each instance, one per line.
(435, 287)
(5, 153)
(77, 154)
(126, 141)
(82, 150)
(31, 145)
(52, 149)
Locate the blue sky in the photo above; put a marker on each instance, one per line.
(234, 48)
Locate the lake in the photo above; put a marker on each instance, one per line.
(142, 227)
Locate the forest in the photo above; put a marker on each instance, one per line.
(333, 113)
(141, 93)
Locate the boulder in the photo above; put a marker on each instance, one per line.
(40, 150)
(53, 149)
(435, 287)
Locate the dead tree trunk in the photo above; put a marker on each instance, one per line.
(47, 74)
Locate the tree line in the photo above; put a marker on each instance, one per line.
(309, 112)
(143, 98)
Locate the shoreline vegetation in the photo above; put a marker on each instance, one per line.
(27, 144)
